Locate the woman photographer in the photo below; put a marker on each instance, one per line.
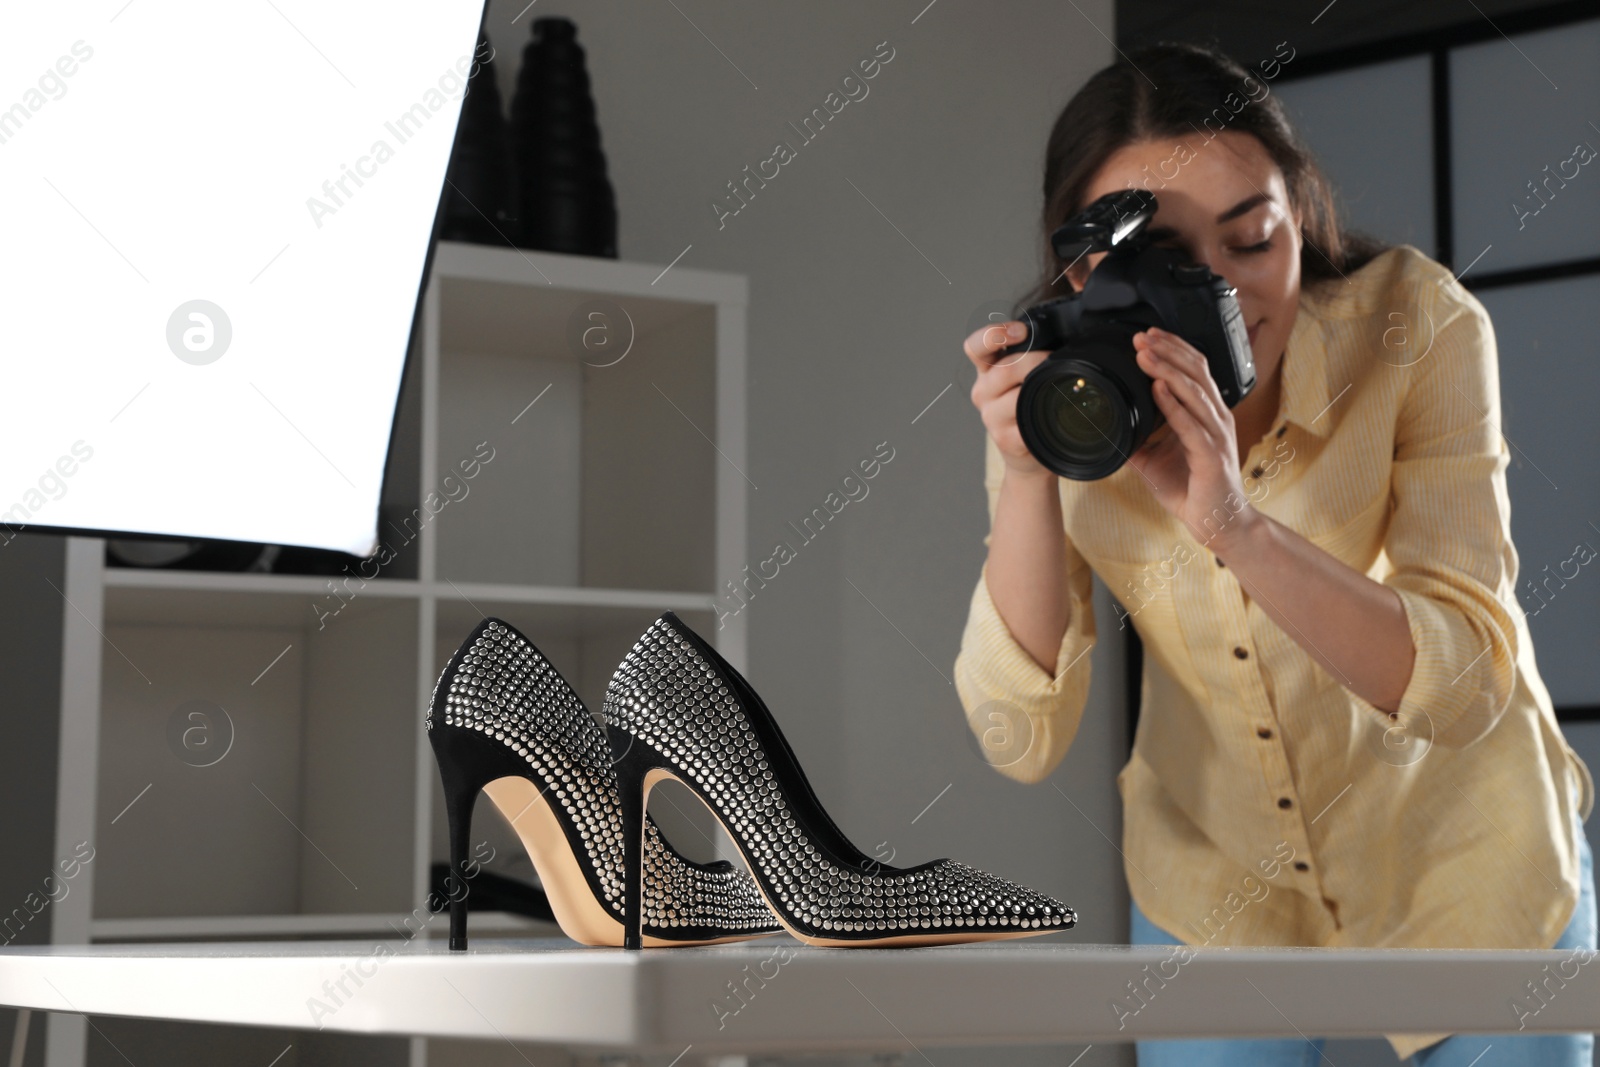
(1344, 739)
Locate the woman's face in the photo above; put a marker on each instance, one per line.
(1224, 203)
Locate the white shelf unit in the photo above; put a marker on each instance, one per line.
(614, 490)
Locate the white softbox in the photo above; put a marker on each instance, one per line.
(220, 217)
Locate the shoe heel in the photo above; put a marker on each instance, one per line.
(460, 795)
(631, 764)
(467, 762)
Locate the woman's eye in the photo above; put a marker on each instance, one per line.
(1262, 247)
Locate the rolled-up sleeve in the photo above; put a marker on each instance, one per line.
(1023, 716)
(1449, 536)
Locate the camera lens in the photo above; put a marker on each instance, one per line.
(1075, 419)
(1079, 414)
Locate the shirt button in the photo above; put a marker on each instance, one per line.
(1301, 865)
(1263, 731)
(1285, 802)
(1240, 653)
(1282, 428)
(1255, 472)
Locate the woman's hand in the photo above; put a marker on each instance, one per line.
(995, 392)
(1026, 571)
(1192, 469)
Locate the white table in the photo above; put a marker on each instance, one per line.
(798, 998)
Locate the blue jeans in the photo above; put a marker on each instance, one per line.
(1460, 1050)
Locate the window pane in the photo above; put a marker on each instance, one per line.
(1549, 385)
(1519, 108)
(1371, 129)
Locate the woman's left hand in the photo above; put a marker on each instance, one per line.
(1193, 469)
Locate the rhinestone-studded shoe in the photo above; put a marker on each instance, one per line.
(675, 708)
(504, 721)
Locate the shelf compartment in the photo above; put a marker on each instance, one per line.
(592, 466)
(249, 758)
(170, 587)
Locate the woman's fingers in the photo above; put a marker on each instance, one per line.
(999, 373)
(1190, 415)
(999, 416)
(1192, 395)
(997, 379)
(1193, 385)
(998, 383)
(1182, 354)
(983, 345)
(1191, 433)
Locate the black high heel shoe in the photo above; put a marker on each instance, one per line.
(503, 720)
(676, 709)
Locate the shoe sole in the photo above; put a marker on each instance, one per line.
(580, 916)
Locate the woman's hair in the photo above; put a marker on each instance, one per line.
(1175, 89)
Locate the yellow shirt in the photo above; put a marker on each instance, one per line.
(1264, 803)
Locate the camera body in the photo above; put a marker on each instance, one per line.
(1089, 406)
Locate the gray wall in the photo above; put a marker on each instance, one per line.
(854, 329)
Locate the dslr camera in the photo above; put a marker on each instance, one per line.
(1085, 409)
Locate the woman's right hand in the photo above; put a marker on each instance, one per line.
(995, 392)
